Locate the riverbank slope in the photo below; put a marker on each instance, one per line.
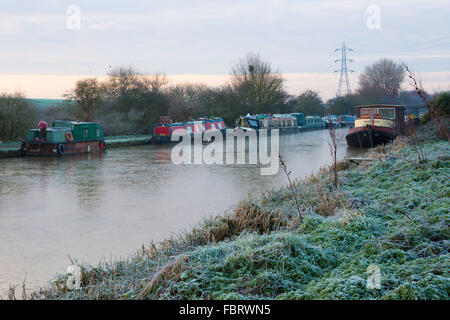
(388, 220)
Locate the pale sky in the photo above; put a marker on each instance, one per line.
(43, 52)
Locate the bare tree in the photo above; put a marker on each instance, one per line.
(125, 81)
(433, 107)
(258, 85)
(157, 81)
(382, 79)
(87, 94)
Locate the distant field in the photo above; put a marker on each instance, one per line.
(45, 103)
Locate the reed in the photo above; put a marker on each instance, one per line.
(290, 185)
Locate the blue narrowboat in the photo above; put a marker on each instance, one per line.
(331, 119)
(347, 120)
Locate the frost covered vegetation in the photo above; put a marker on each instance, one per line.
(392, 212)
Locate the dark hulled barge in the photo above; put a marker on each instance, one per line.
(376, 125)
(63, 138)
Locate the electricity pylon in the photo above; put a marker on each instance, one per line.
(343, 79)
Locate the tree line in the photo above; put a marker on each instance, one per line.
(131, 102)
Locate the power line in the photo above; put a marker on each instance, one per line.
(421, 46)
(343, 79)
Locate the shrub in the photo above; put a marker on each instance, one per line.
(16, 116)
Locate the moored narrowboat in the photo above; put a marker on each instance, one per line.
(163, 131)
(332, 120)
(286, 123)
(312, 123)
(63, 138)
(308, 122)
(300, 119)
(347, 120)
(376, 125)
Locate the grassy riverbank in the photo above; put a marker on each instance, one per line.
(391, 213)
(127, 140)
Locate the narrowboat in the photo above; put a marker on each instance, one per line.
(312, 123)
(376, 125)
(300, 119)
(63, 138)
(347, 120)
(286, 123)
(307, 122)
(163, 131)
(331, 119)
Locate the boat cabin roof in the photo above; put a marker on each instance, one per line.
(315, 117)
(389, 111)
(191, 122)
(271, 117)
(381, 106)
(72, 124)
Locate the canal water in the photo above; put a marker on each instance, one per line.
(95, 207)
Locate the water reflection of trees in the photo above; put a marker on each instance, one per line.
(86, 173)
(17, 176)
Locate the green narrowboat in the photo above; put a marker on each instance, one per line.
(312, 122)
(64, 138)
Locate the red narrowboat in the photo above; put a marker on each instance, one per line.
(162, 132)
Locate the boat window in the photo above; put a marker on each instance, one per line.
(98, 132)
(85, 133)
(387, 113)
(253, 123)
(203, 127)
(213, 126)
(368, 111)
(220, 125)
(189, 129)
